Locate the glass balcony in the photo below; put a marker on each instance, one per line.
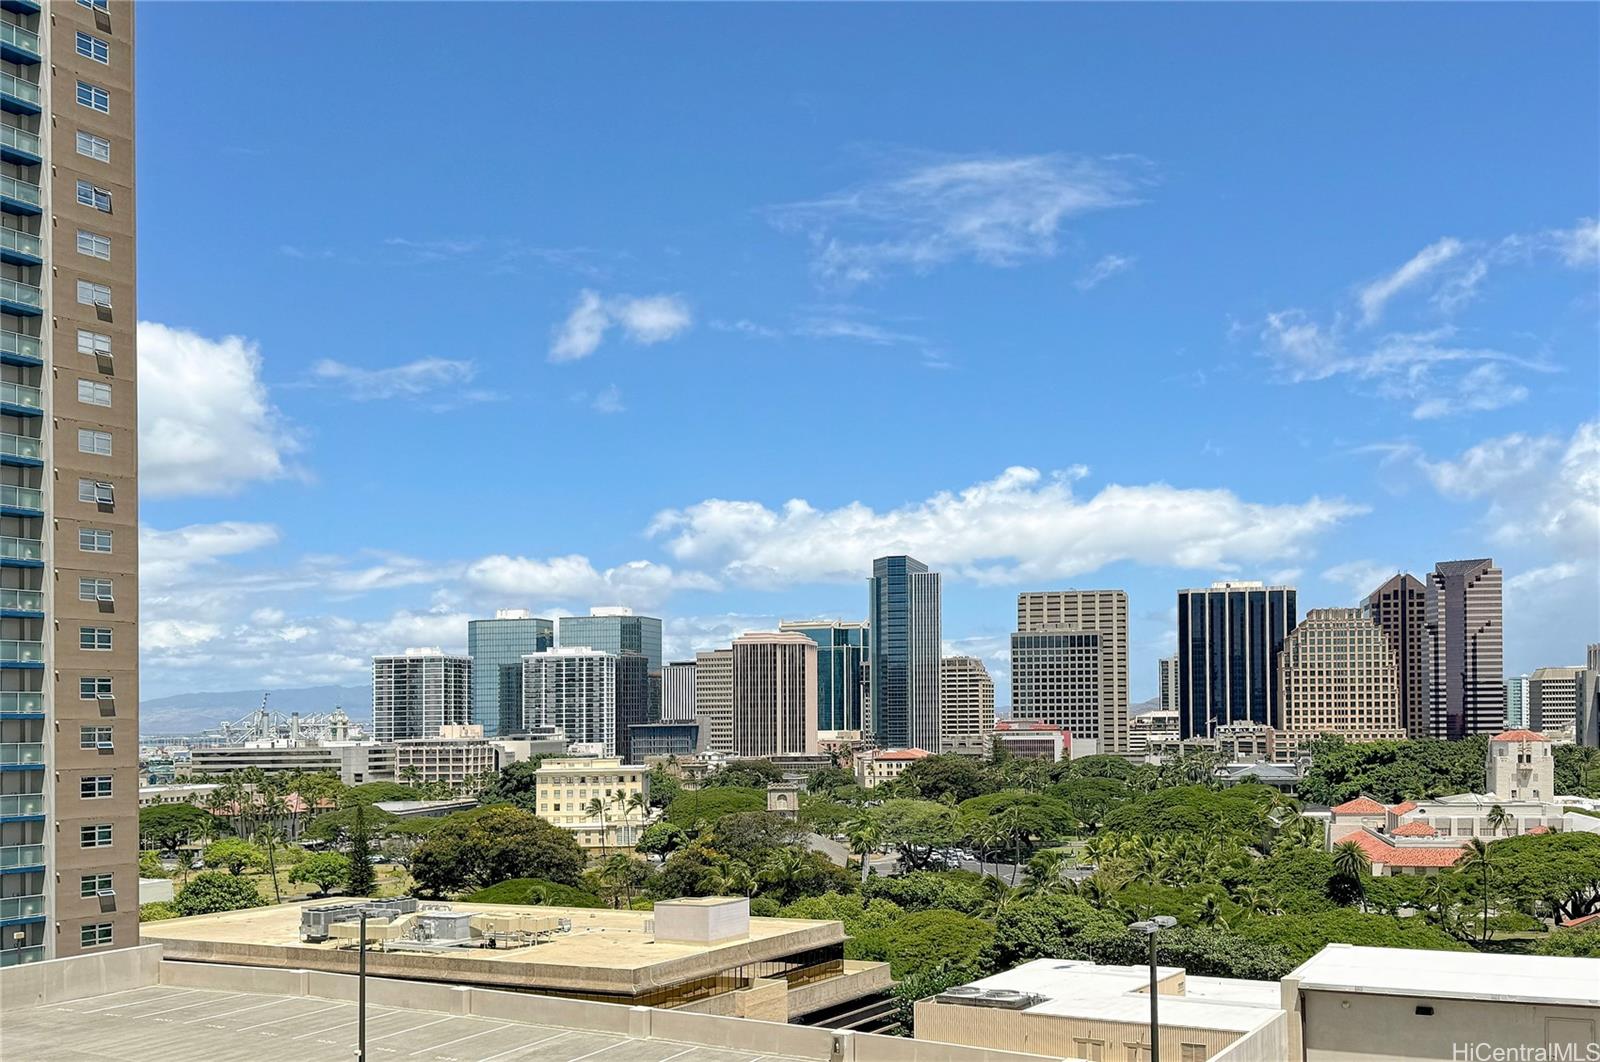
(15, 907)
(20, 247)
(16, 805)
(21, 752)
(20, 549)
(18, 349)
(13, 600)
(13, 856)
(20, 446)
(19, 45)
(17, 297)
(13, 651)
(17, 95)
(20, 197)
(21, 702)
(15, 394)
(20, 146)
(18, 956)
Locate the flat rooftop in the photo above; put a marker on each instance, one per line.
(196, 1025)
(1453, 975)
(1076, 989)
(607, 951)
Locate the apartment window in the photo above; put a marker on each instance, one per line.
(96, 492)
(94, 393)
(92, 195)
(94, 540)
(97, 639)
(94, 590)
(91, 885)
(94, 147)
(91, 294)
(98, 934)
(91, 47)
(94, 97)
(94, 245)
(95, 737)
(94, 786)
(95, 836)
(93, 343)
(94, 442)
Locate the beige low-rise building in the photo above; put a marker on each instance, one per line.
(874, 767)
(603, 802)
(459, 757)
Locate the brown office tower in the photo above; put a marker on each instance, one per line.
(1465, 644)
(1399, 607)
(69, 680)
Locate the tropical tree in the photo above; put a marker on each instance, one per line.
(233, 854)
(1350, 862)
(864, 839)
(326, 870)
(214, 891)
(363, 879)
(1497, 818)
(1477, 859)
(596, 809)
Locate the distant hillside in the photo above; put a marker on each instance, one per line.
(1136, 709)
(189, 713)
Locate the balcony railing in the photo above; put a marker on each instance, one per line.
(20, 345)
(20, 394)
(22, 242)
(14, 804)
(19, 446)
(14, 907)
(22, 701)
(18, 956)
(17, 291)
(21, 498)
(12, 85)
(13, 600)
(15, 752)
(13, 856)
(14, 651)
(12, 548)
(17, 37)
(20, 140)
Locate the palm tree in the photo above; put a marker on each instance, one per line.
(638, 802)
(1477, 858)
(596, 809)
(1210, 913)
(1497, 818)
(864, 839)
(729, 878)
(1011, 822)
(1350, 861)
(1044, 872)
(1255, 900)
(783, 871)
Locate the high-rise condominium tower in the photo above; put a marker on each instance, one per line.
(497, 647)
(1099, 612)
(1553, 699)
(904, 603)
(1337, 675)
(1228, 641)
(1399, 606)
(613, 630)
(774, 694)
(966, 705)
(69, 597)
(419, 691)
(590, 696)
(842, 653)
(1464, 641)
(1167, 699)
(677, 692)
(1517, 702)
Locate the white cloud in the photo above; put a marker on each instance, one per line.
(1482, 389)
(608, 401)
(573, 578)
(1361, 576)
(1103, 270)
(424, 378)
(1021, 525)
(996, 210)
(848, 328)
(206, 424)
(167, 558)
(1491, 466)
(1377, 294)
(1579, 245)
(645, 320)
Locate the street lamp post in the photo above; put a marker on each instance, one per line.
(1150, 928)
(361, 992)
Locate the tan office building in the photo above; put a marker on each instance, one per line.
(713, 700)
(69, 684)
(966, 706)
(774, 694)
(1102, 612)
(1553, 699)
(460, 757)
(1337, 675)
(566, 790)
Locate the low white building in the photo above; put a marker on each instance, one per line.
(566, 791)
(874, 767)
(458, 757)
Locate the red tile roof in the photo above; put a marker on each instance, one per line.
(1381, 851)
(1402, 808)
(1360, 806)
(1520, 735)
(1540, 829)
(1574, 923)
(902, 754)
(1413, 829)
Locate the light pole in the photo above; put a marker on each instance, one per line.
(361, 991)
(1150, 928)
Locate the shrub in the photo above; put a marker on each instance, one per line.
(158, 911)
(214, 891)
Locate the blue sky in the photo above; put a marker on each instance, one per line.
(697, 309)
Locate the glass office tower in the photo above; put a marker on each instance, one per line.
(843, 650)
(1229, 637)
(615, 631)
(497, 647)
(904, 601)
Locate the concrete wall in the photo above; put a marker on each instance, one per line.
(36, 984)
(1052, 1034)
(1346, 1026)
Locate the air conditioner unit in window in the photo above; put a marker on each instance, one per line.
(104, 745)
(106, 894)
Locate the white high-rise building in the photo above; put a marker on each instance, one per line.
(966, 706)
(1517, 702)
(419, 692)
(572, 689)
(713, 700)
(1167, 701)
(1553, 699)
(1103, 613)
(677, 692)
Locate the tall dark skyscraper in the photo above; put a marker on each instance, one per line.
(904, 603)
(613, 630)
(497, 647)
(1398, 607)
(1228, 641)
(843, 650)
(1465, 645)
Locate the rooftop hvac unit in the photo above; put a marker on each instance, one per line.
(444, 927)
(315, 921)
(1007, 999)
(963, 994)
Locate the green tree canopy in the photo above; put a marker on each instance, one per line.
(326, 870)
(664, 786)
(234, 855)
(534, 892)
(750, 836)
(1302, 936)
(1561, 871)
(694, 806)
(1575, 943)
(1391, 771)
(919, 829)
(515, 783)
(1090, 799)
(214, 891)
(930, 939)
(1047, 926)
(1192, 809)
(948, 779)
(923, 890)
(1035, 816)
(745, 774)
(167, 826)
(478, 848)
(661, 838)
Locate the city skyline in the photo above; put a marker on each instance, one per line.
(1404, 336)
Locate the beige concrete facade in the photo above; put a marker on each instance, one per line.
(966, 705)
(1098, 611)
(1553, 699)
(774, 694)
(460, 757)
(1338, 674)
(713, 700)
(566, 788)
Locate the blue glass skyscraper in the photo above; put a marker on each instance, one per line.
(842, 656)
(497, 647)
(904, 602)
(613, 630)
(1229, 637)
